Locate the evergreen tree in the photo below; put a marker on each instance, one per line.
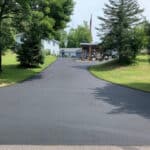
(7, 35)
(120, 17)
(30, 52)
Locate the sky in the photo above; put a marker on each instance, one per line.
(84, 8)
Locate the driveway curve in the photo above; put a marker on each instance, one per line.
(66, 105)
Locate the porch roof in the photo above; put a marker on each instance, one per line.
(89, 44)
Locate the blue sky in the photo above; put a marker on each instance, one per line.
(84, 9)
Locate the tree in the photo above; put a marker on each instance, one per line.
(139, 39)
(147, 32)
(61, 10)
(46, 19)
(7, 35)
(8, 8)
(79, 35)
(120, 17)
(38, 26)
(62, 36)
(30, 53)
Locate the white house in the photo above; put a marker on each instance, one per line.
(47, 45)
(52, 46)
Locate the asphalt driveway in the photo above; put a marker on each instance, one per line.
(66, 105)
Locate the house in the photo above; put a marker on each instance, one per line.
(48, 45)
(52, 46)
(71, 52)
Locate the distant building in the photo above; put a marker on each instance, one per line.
(71, 52)
(47, 45)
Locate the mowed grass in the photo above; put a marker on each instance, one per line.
(12, 73)
(135, 76)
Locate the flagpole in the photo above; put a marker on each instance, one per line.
(91, 23)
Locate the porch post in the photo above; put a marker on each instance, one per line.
(90, 53)
(82, 53)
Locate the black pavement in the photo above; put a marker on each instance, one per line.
(66, 105)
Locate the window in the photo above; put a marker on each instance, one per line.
(53, 43)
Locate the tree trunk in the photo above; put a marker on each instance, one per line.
(0, 60)
(90, 53)
(3, 6)
(0, 47)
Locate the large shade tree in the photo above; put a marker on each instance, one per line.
(7, 35)
(8, 9)
(46, 19)
(120, 17)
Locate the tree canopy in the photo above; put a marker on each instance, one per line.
(43, 19)
(118, 23)
(79, 35)
(8, 10)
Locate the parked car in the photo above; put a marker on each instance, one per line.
(99, 56)
(107, 54)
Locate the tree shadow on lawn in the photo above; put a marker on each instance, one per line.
(125, 100)
(143, 86)
(113, 65)
(108, 66)
(14, 73)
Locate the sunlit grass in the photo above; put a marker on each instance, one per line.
(12, 73)
(135, 76)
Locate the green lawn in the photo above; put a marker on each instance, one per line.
(136, 76)
(12, 73)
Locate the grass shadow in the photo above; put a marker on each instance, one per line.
(112, 65)
(144, 86)
(14, 73)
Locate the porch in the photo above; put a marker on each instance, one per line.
(90, 51)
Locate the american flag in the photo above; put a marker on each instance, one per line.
(91, 21)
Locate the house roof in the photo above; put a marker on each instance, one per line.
(71, 49)
(51, 40)
(89, 44)
(55, 41)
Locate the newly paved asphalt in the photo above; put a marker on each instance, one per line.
(66, 105)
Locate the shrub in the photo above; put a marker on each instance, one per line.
(30, 54)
